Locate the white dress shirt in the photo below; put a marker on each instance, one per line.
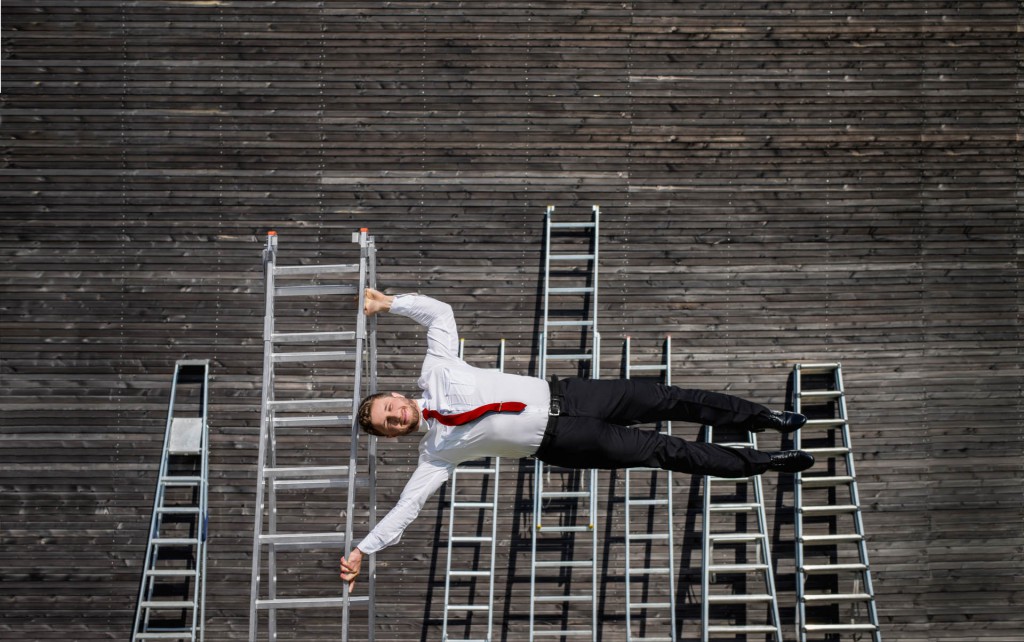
(450, 385)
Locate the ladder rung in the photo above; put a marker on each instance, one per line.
(828, 540)
(306, 357)
(823, 423)
(828, 510)
(655, 570)
(736, 568)
(172, 573)
(313, 270)
(821, 453)
(734, 444)
(565, 529)
(304, 471)
(313, 421)
(732, 508)
(838, 628)
(818, 368)
(312, 337)
(579, 290)
(469, 573)
(650, 605)
(468, 607)
(467, 539)
(824, 482)
(568, 357)
(178, 510)
(835, 598)
(651, 537)
(647, 502)
(740, 628)
(812, 569)
(565, 633)
(162, 605)
(648, 367)
(565, 564)
(731, 480)
(738, 598)
(309, 404)
(569, 494)
(311, 602)
(820, 394)
(177, 480)
(735, 537)
(571, 257)
(314, 290)
(572, 225)
(174, 541)
(553, 324)
(563, 598)
(655, 639)
(480, 505)
(303, 540)
(186, 634)
(473, 470)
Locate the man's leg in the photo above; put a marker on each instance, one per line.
(632, 401)
(586, 442)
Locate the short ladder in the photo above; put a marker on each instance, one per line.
(650, 551)
(172, 593)
(305, 428)
(477, 551)
(737, 579)
(833, 590)
(565, 500)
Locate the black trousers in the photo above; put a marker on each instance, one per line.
(592, 432)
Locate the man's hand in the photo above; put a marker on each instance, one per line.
(374, 302)
(350, 567)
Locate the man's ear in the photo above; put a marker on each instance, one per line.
(395, 394)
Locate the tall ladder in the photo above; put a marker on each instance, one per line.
(483, 481)
(738, 552)
(566, 511)
(834, 591)
(300, 442)
(172, 593)
(655, 542)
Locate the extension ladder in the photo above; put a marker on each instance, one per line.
(828, 515)
(300, 441)
(568, 511)
(172, 593)
(654, 507)
(484, 477)
(747, 558)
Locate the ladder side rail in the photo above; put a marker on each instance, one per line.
(204, 502)
(269, 260)
(451, 550)
(595, 373)
(798, 519)
(705, 547)
(146, 582)
(764, 549)
(858, 518)
(671, 506)
(628, 516)
(353, 460)
(494, 545)
(371, 387)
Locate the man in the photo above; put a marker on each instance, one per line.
(470, 413)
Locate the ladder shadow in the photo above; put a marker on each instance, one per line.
(687, 600)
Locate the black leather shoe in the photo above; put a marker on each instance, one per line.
(782, 421)
(790, 461)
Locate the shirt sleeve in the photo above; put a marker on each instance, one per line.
(425, 481)
(437, 317)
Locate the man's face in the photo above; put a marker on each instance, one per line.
(395, 415)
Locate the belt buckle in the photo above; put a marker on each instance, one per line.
(556, 407)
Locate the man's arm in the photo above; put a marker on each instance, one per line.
(424, 482)
(436, 316)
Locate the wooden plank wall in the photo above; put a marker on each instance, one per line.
(781, 182)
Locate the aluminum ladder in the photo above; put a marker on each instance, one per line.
(172, 592)
(483, 481)
(656, 541)
(300, 442)
(834, 592)
(566, 508)
(747, 555)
